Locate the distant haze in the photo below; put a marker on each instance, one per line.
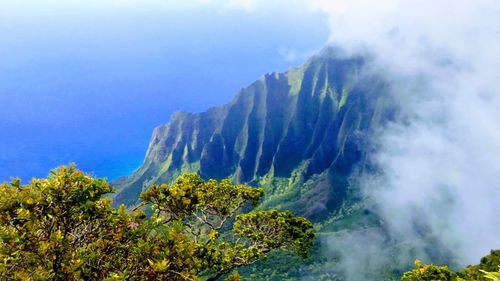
(87, 81)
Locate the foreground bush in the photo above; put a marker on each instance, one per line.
(487, 269)
(65, 228)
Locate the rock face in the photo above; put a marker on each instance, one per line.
(299, 134)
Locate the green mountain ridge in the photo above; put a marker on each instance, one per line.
(299, 134)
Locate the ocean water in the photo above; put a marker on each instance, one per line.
(89, 85)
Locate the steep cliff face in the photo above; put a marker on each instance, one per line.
(299, 134)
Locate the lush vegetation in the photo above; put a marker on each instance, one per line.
(65, 228)
(429, 272)
(489, 263)
(487, 269)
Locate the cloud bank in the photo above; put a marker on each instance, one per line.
(439, 163)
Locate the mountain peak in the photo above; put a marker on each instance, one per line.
(284, 129)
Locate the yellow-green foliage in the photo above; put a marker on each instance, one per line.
(62, 228)
(495, 276)
(489, 263)
(429, 272)
(485, 270)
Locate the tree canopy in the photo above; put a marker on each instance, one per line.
(487, 269)
(64, 227)
(429, 272)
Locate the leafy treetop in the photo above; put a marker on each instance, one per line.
(64, 228)
(487, 269)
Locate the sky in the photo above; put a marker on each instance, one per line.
(86, 81)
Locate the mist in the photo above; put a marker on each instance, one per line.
(438, 164)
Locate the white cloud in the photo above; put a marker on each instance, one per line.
(441, 166)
